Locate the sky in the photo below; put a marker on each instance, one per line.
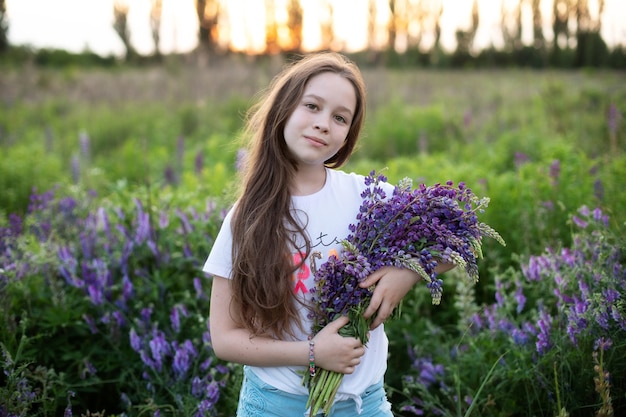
(79, 25)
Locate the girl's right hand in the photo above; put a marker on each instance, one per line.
(337, 353)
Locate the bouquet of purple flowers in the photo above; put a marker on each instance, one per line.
(414, 229)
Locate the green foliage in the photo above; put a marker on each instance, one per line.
(23, 169)
(540, 146)
(400, 129)
(109, 296)
(556, 329)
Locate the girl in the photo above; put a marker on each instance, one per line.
(294, 208)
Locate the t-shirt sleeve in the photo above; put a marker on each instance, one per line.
(219, 261)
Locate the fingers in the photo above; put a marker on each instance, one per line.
(373, 278)
(335, 352)
(338, 323)
(375, 302)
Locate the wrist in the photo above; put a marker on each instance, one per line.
(311, 350)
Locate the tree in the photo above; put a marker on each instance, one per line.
(120, 13)
(208, 12)
(294, 25)
(591, 50)
(564, 11)
(412, 21)
(328, 34)
(4, 27)
(465, 38)
(271, 28)
(538, 39)
(511, 26)
(156, 11)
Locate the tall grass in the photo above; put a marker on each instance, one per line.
(114, 185)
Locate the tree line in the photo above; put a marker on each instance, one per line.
(411, 35)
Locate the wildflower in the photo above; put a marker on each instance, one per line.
(543, 336)
(198, 163)
(555, 171)
(613, 119)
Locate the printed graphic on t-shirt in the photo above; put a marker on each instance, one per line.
(306, 272)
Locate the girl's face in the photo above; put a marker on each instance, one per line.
(319, 125)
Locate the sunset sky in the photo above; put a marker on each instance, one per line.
(77, 25)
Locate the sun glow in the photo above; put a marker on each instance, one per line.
(77, 25)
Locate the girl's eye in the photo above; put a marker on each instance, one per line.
(311, 106)
(341, 119)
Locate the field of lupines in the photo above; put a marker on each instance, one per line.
(114, 185)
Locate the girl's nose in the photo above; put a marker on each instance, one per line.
(321, 125)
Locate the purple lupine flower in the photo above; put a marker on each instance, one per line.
(184, 220)
(533, 268)
(544, 324)
(135, 340)
(198, 163)
(143, 228)
(68, 408)
(148, 361)
(197, 285)
(120, 319)
(159, 348)
(429, 373)
(520, 159)
(197, 386)
(95, 294)
(183, 355)
(555, 171)
(519, 336)
(128, 289)
(499, 296)
(164, 220)
(170, 176)
(68, 265)
(88, 369)
(83, 140)
(602, 343)
(146, 314)
(598, 189)
(222, 369)
(206, 364)
(125, 400)
(175, 319)
(520, 298)
(601, 315)
(617, 316)
(613, 119)
(579, 222)
(91, 323)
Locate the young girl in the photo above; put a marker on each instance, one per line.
(294, 209)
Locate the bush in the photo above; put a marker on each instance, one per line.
(106, 300)
(553, 342)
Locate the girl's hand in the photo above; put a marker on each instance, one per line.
(392, 284)
(337, 353)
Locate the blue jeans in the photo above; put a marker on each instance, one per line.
(258, 399)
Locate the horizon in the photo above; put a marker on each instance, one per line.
(89, 27)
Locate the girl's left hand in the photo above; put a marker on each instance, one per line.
(392, 284)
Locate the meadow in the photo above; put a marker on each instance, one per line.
(115, 182)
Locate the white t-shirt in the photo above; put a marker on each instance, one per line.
(329, 212)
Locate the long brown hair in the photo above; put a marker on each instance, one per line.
(264, 229)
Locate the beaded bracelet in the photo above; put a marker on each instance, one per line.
(311, 357)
